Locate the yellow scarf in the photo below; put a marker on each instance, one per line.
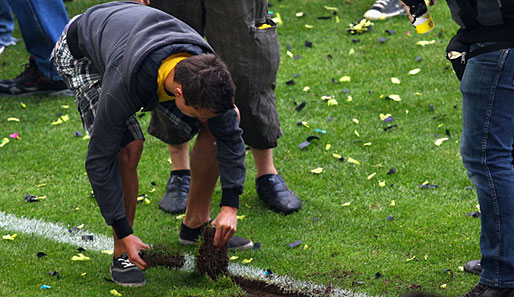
(166, 66)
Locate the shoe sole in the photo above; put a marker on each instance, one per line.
(243, 247)
(375, 15)
(171, 212)
(128, 284)
(63, 93)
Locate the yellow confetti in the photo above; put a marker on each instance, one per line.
(300, 14)
(77, 208)
(393, 203)
(425, 182)
(9, 237)
(65, 118)
(337, 19)
(23, 105)
(330, 8)
(305, 247)
(309, 26)
(443, 286)
(426, 257)
(290, 54)
(240, 217)
(246, 204)
(349, 99)
(351, 52)
(347, 203)
(395, 80)
(353, 161)
(356, 133)
(86, 137)
(356, 121)
(414, 71)
(371, 175)
(384, 116)
(58, 122)
(147, 201)
(305, 124)
(247, 261)
(79, 257)
(180, 217)
(345, 79)
(233, 258)
(317, 170)
(13, 119)
(114, 292)
(336, 156)
(41, 185)
(460, 268)
(83, 273)
(410, 259)
(395, 97)
(326, 97)
(153, 190)
(328, 146)
(418, 94)
(65, 106)
(80, 226)
(277, 19)
(424, 42)
(382, 183)
(440, 141)
(367, 144)
(108, 252)
(478, 207)
(264, 26)
(306, 88)
(406, 111)
(5, 141)
(332, 102)
(440, 125)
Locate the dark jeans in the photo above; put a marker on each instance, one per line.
(488, 135)
(251, 54)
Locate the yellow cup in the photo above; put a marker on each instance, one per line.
(424, 23)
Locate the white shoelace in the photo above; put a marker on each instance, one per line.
(125, 263)
(381, 3)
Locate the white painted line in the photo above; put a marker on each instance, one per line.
(60, 233)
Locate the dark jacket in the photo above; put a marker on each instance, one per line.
(118, 37)
(483, 20)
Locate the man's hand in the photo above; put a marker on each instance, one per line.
(133, 245)
(226, 225)
(144, 2)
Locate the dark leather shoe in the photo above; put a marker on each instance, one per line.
(473, 266)
(482, 290)
(174, 199)
(273, 190)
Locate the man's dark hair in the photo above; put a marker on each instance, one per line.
(206, 83)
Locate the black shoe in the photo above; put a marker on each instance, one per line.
(174, 199)
(32, 82)
(189, 236)
(482, 290)
(273, 190)
(473, 266)
(383, 9)
(124, 273)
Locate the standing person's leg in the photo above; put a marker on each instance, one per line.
(486, 147)
(251, 52)
(6, 26)
(41, 24)
(174, 199)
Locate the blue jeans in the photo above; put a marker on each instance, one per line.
(6, 24)
(486, 146)
(41, 24)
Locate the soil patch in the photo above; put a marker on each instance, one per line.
(211, 260)
(258, 288)
(161, 255)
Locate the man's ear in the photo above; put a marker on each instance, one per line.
(177, 90)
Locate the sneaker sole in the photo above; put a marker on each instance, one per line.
(243, 247)
(375, 15)
(128, 284)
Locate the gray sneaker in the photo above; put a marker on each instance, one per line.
(473, 266)
(125, 273)
(189, 236)
(383, 9)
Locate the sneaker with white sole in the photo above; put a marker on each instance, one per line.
(190, 236)
(125, 273)
(383, 9)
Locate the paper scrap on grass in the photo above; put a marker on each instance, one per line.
(395, 80)
(356, 121)
(300, 14)
(233, 258)
(307, 142)
(58, 122)
(247, 261)
(15, 135)
(44, 287)
(80, 257)
(346, 203)
(294, 243)
(395, 97)
(115, 293)
(277, 19)
(414, 71)
(356, 133)
(330, 8)
(371, 175)
(440, 141)
(424, 42)
(108, 252)
(241, 217)
(382, 183)
(393, 203)
(317, 170)
(306, 88)
(309, 26)
(9, 237)
(13, 119)
(426, 185)
(345, 78)
(5, 141)
(349, 99)
(353, 161)
(328, 146)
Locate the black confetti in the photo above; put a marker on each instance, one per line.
(334, 80)
(73, 230)
(56, 274)
(308, 43)
(388, 119)
(355, 40)
(294, 243)
(390, 217)
(289, 47)
(329, 56)
(40, 255)
(77, 134)
(390, 127)
(427, 186)
(418, 58)
(297, 57)
(31, 198)
(382, 39)
(324, 17)
(301, 106)
(392, 171)
(87, 237)
(474, 214)
(81, 250)
(390, 32)
(290, 82)
(315, 218)
(296, 75)
(256, 246)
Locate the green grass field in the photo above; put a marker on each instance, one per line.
(344, 226)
